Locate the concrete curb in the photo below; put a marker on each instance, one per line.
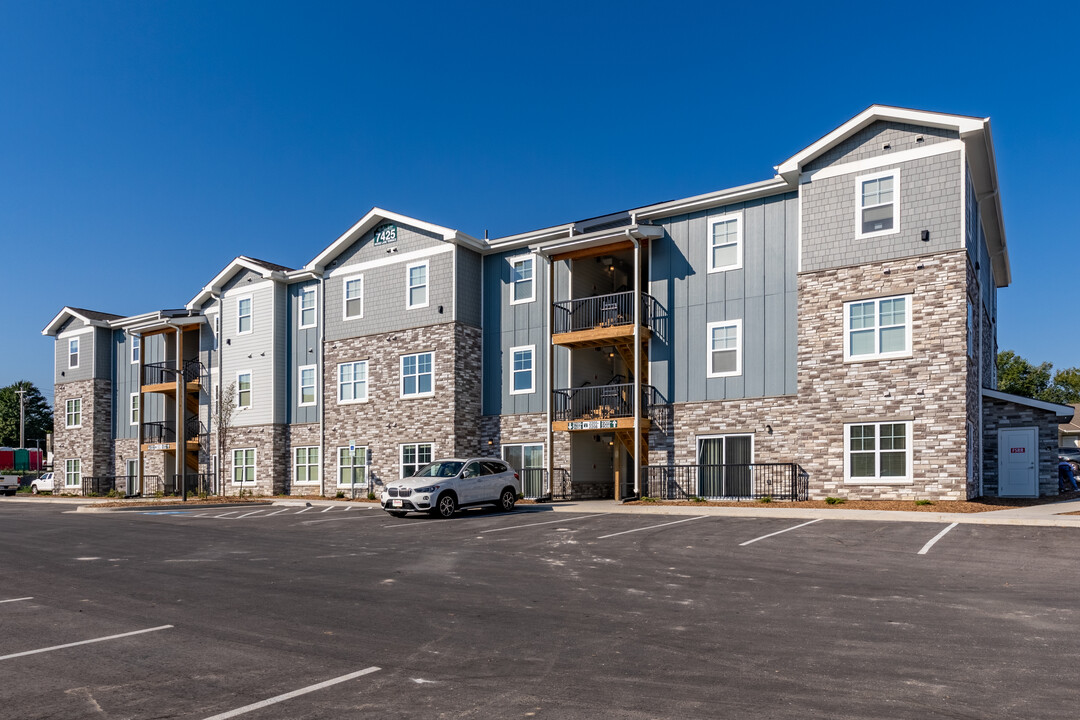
(166, 508)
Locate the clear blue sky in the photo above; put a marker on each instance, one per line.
(145, 144)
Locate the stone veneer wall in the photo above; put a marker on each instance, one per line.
(1000, 414)
(929, 388)
(499, 430)
(972, 436)
(124, 449)
(91, 443)
(272, 465)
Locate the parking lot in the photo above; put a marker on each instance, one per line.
(298, 612)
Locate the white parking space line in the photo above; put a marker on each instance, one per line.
(294, 693)
(927, 546)
(84, 642)
(309, 507)
(547, 522)
(17, 599)
(328, 508)
(624, 532)
(780, 532)
(231, 512)
(279, 511)
(256, 512)
(336, 519)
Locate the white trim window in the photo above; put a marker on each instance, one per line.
(877, 204)
(418, 375)
(73, 353)
(725, 242)
(73, 413)
(522, 370)
(877, 329)
(877, 452)
(306, 385)
(307, 301)
(522, 282)
(136, 349)
(416, 285)
(413, 457)
(352, 466)
(243, 389)
(244, 314)
(306, 465)
(244, 466)
(72, 472)
(133, 405)
(353, 382)
(724, 349)
(352, 297)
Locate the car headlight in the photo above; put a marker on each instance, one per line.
(428, 489)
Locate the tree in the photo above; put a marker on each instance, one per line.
(226, 407)
(1019, 377)
(39, 417)
(1066, 387)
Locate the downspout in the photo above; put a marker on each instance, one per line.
(549, 297)
(321, 364)
(220, 352)
(637, 364)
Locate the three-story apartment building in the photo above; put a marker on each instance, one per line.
(828, 331)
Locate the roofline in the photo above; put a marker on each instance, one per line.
(600, 237)
(762, 188)
(1056, 408)
(54, 325)
(240, 261)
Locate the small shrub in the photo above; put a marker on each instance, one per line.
(696, 499)
(834, 500)
(371, 495)
(159, 494)
(924, 502)
(23, 489)
(114, 493)
(647, 499)
(765, 499)
(340, 494)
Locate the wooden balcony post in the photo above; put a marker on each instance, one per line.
(637, 367)
(549, 389)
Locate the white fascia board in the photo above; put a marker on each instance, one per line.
(57, 321)
(510, 242)
(713, 199)
(601, 237)
(237, 263)
(981, 160)
(1057, 409)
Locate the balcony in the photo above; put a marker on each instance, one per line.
(601, 407)
(606, 319)
(161, 376)
(161, 434)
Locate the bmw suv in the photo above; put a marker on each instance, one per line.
(446, 485)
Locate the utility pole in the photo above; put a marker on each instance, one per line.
(22, 419)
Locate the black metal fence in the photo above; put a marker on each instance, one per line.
(600, 402)
(125, 485)
(780, 481)
(197, 484)
(611, 310)
(560, 484)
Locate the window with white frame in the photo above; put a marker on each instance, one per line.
(243, 315)
(724, 349)
(72, 473)
(73, 353)
(243, 466)
(354, 297)
(878, 328)
(413, 457)
(134, 405)
(306, 466)
(307, 385)
(417, 375)
(352, 466)
(522, 373)
(353, 382)
(877, 199)
(878, 452)
(416, 281)
(307, 308)
(521, 279)
(243, 389)
(136, 349)
(73, 413)
(725, 242)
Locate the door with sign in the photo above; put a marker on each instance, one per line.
(1018, 461)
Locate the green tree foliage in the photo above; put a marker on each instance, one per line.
(1019, 377)
(39, 417)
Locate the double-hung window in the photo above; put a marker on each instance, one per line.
(243, 315)
(521, 279)
(136, 349)
(417, 375)
(73, 353)
(877, 201)
(725, 242)
(354, 297)
(243, 466)
(243, 389)
(416, 285)
(724, 346)
(72, 473)
(353, 382)
(877, 329)
(134, 405)
(307, 385)
(413, 457)
(877, 452)
(352, 465)
(306, 466)
(307, 308)
(73, 413)
(522, 368)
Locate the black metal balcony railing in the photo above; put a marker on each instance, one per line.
(602, 402)
(611, 310)
(193, 370)
(197, 484)
(193, 428)
(780, 481)
(535, 485)
(161, 431)
(159, 373)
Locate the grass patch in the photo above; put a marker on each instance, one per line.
(834, 500)
(696, 499)
(924, 502)
(647, 499)
(765, 499)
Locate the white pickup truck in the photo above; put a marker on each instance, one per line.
(9, 484)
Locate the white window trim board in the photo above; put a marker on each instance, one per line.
(366, 466)
(532, 372)
(367, 385)
(401, 455)
(737, 216)
(66, 413)
(906, 480)
(345, 299)
(737, 324)
(512, 261)
(427, 285)
(251, 297)
(401, 376)
(857, 166)
(314, 290)
(308, 465)
(251, 391)
(909, 313)
(135, 339)
(300, 385)
(254, 465)
(859, 180)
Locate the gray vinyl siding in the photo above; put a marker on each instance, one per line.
(102, 353)
(125, 382)
(241, 278)
(762, 294)
(254, 351)
(870, 141)
(153, 350)
(468, 286)
(85, 371)
(280, 342)
(302, 348)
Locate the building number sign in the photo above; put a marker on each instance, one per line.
(385, 234)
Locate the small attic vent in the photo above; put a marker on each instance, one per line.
(919, 139)
(886, 146)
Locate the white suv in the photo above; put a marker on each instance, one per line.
(446, 485)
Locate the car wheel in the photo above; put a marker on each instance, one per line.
(507, 500)
(445, 506)
(396, 513)
(33, 490)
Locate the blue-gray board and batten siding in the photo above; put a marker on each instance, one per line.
(126, 382)
(302, 348)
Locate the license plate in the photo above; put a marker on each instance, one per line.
(397, 503)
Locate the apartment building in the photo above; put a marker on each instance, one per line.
(828, 331)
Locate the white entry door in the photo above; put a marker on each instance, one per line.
(1018, 460)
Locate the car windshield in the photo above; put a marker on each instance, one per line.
(442, 469)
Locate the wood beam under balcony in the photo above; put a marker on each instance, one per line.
(599, 337)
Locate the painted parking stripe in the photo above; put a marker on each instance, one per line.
(781, 532)
(256, 512)
(309, 507)
(927, 546)
(231, 512)
(84, 642)
(295, 693)
(17, 599)
(548, 522)
(279, 512)
(650, 527)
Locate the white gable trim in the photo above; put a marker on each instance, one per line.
(1059, 410)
